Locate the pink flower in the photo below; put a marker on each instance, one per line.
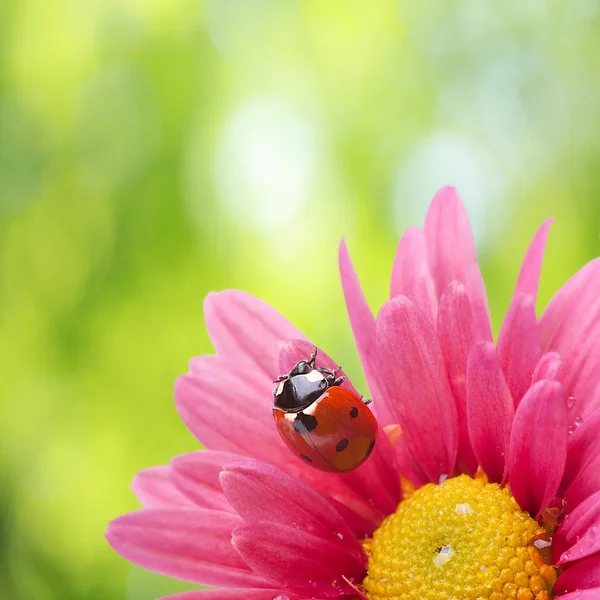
(519, 419)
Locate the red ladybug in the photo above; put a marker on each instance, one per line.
(327, 426)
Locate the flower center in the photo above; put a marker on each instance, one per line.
(462, 539)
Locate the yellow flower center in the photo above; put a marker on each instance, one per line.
(462, 539)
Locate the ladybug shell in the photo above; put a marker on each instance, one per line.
(336, 433)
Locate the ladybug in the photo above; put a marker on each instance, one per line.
(327, 426)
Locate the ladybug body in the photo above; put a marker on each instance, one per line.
(327, 426)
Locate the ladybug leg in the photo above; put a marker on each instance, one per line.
(339, 381)
(327, 372)
(366, 400)
(281, 378)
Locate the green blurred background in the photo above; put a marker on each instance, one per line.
(154, 150)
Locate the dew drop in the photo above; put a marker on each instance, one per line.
(576, 423)
(570, 401)
(280, 597)
(443, 478)
(463, 509)
(443, 556)
(483, 568)
(340, 535)
(540, 544)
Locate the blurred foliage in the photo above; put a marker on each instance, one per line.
(151, 151)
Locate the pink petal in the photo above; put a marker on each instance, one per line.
(247, 329)
(463, 320)
(529, 276)
(408, 466)
(154, 489)
(228, 406)
(580, 576)
(582, 528)
(589, 594)
(363, 327)
(585, 484)
(450, 245)
(571, 325)
(538, 446)
(490, 410)
(413, 368)
(583, 449)
(294, 351)
(519, 346)
(411, 275)
(235, 594)
(298, 560)
(548, 367)
(261, 492)
(196, 475)
(187, 543)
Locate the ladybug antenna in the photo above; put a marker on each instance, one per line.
(313, 357)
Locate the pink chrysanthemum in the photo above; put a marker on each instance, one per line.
(485, 479)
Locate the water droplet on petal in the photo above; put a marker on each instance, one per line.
(280, 597)
(570, 401)
(340, 535)
(443, 478)
(483, 568)
(541, 543)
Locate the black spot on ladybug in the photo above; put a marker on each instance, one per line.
(304, 423)
(354, 412)
(306, 458)
(370, 448)
(341, 445)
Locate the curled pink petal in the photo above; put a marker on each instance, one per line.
(587, 545)
(538, 446)
(580, 576)
(450, 245)
(463, 321)
(411, 275)
(519, 346)
(363, 328)
(571, 325)
(583, 448)
(413, 368)
(490, 410)
(235, 594)
(529, 276)
(247, 329)
(585, 483)
(298, 560)
(261, 492)
(196, 475)
(548, 367)
(582, 529)
(294, 351)
(154, 489)
(188, 543)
